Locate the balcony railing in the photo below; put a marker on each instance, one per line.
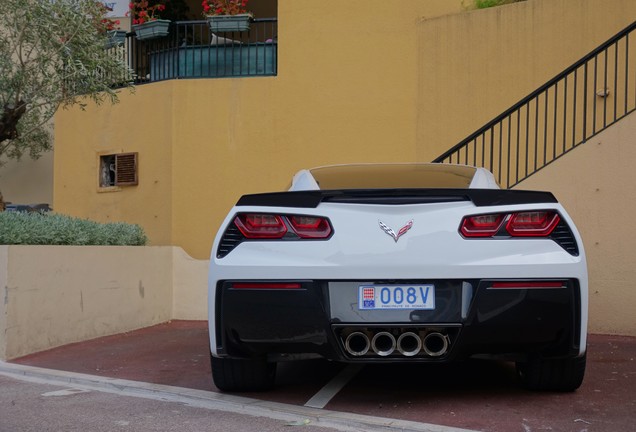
(191, 50)
(568, 110)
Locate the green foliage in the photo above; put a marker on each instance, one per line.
(52, 54)
(483, 4)
(21, 228)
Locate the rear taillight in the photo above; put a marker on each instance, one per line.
(260, 226)
(539, 223)
(310, 226)
(481, 225)
(532, 224)
(273, 226)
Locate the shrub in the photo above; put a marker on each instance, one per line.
(35, 228)
(483, 4)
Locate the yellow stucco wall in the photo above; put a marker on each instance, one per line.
(359, 81)
(204, 143)
(475, 65)
(595, 183)
(142, 122)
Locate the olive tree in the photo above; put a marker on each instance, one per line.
(53, 53)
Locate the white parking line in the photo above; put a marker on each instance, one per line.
(322, 398)
(340, 421)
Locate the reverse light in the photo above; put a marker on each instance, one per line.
(310, 226)
(260, 226)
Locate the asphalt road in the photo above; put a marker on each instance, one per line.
(27, 406)
(37, 399)
(38, 407)
(475, 395)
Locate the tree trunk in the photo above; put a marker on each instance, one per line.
(2, 205)
(11, 115)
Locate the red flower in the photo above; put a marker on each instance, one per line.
(142, 12)
(224, 7)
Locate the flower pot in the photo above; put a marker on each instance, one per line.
(229, 23)
(115, 38)
(151, 29)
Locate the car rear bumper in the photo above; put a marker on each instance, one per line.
(470, 318)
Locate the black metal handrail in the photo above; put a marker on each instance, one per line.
(565, 112)
(191, 50)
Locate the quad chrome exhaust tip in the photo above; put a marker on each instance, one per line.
(383, 343)
(364, 342)
(409, 344)
(357, 344)
(436, 344)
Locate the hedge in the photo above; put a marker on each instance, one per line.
(36, 228)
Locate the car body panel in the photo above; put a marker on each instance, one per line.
(395, 237)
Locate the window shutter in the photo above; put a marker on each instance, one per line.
(126, 169)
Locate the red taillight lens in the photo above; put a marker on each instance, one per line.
(310, 226)
(532, 224)
(260, 226)
(272, 226)
(481, 225)
(539, 223)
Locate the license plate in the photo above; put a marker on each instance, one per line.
(396, 297)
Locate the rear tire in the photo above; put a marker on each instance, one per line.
(242, 375)
(563, 375)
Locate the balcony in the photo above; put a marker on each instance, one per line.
(191, 50)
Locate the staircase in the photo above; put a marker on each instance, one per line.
(583, 100)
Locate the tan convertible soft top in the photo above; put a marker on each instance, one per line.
(389, 176)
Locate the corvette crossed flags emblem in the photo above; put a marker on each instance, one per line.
(392, 233)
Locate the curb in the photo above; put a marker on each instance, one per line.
(219, 401)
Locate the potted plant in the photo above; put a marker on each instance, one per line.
(146, 21)
(227, 15)
(116, 36)
(108, 27)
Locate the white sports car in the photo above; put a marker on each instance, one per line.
(398, 263)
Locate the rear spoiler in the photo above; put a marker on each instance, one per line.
(479, 197)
